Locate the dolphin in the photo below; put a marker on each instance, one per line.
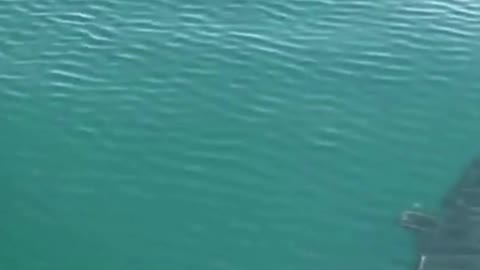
(450, 241)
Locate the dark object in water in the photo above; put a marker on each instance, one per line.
(451, 241)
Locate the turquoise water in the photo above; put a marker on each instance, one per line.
(229, 135)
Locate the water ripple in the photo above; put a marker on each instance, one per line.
(248, 126)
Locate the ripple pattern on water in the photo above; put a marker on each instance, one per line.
(237, 135)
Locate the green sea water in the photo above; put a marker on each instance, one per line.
(229, 134)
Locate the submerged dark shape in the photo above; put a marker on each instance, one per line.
(452, 240)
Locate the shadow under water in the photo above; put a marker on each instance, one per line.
(452, 240)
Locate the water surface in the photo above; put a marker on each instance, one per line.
(229, 135)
